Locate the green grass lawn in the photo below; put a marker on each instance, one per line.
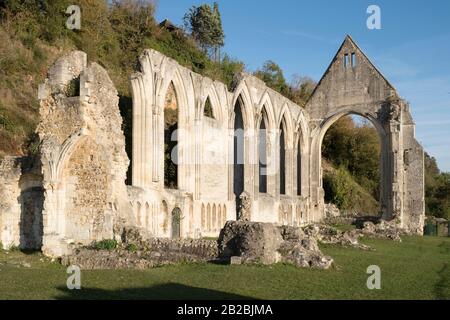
(417, 268)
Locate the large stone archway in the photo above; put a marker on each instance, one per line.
(386, 172)
(352, 85)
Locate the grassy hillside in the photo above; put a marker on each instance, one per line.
(34, 34)
(417, 268)
(342, 189)
(351, 172)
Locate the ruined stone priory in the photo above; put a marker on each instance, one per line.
(202, 153)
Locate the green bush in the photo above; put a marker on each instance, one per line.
(5, 122)
(107, 244)
(342, 190)
(132, 248)
(73, 88)
(14, 248)
(437, 190)
(356, 148)
(339, 188)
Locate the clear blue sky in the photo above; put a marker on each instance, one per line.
(412, 49)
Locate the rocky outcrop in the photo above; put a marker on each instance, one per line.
(256, 242)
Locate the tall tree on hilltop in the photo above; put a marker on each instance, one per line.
(205, 25)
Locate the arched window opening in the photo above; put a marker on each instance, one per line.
(238, 150)
(208, 218)
(224, 215)
(282, 156)
(214, 217)
(165, 214)
(262, 167)
(176, 223)
(208, 110)
(170, 139)
(203, 217)
(299, 168)
(219, 217)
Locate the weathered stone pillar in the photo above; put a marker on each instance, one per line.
(197, 157)
(395, 207)
(155, 144)
(290, 178)
(53, 242)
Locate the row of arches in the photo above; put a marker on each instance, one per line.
(213, 217)
(154, 216)
(147, 215)
(292, 215)
(270, 161)
(276, 153)
(185, 98)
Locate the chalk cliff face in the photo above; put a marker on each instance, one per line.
(75, 192)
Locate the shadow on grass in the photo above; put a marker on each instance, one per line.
(442, 288)
(169, 291)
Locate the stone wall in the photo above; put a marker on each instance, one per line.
(75, 192)
(83, 155)
(145, 254)
(9, 207)
(21, 201)
(353, 85)
(205, 146)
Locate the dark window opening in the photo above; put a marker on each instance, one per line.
(299, 169)
(353, 60)
(282, 161)
(346, 60)
(262, 157)
(208, 110)
(238, 151)
(170, 139)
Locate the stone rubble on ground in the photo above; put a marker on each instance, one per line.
(331, 210)
(383, 229)
(148, 254)
(266, 243)
(330, 235)
(240, 242)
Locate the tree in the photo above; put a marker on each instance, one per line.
(205, 25)
(272, 74)
(301, 89)
(357, 149)
(437, 189)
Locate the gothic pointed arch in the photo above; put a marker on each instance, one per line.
(262, 151)
(171, 117)
(282, 157)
